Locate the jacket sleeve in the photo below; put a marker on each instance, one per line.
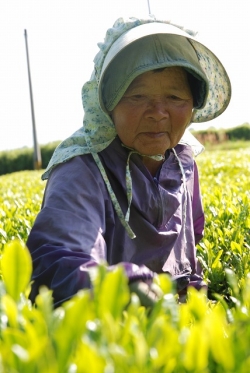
(198, 212)
(68, 234)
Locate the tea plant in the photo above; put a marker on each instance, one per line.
(99, 332)
(106, 330)
(224, 177)
(20, 201)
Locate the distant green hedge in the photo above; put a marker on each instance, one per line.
(22, 159)
(213, 135)
(239, 133)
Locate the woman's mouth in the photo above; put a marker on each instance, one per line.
(154, 134)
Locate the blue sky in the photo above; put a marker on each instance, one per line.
(62, 39)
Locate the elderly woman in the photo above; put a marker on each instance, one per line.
(124, 188)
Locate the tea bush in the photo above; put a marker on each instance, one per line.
(224, 177)
(106, 331)
(20, 200)
(22, 159)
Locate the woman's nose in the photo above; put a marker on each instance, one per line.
(158, 110)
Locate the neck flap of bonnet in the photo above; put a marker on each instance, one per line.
(98, 130)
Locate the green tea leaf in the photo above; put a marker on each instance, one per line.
(16, 268)
(114, 295)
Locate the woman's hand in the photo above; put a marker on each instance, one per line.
(148, 294)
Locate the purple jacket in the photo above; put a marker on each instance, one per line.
(77, 226)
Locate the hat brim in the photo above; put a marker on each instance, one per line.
(219, 93)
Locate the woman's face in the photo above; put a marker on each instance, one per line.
(155, 110)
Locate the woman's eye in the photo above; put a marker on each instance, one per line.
(138, 97)
(176, 98)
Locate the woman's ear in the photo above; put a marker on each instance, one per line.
(193, 114)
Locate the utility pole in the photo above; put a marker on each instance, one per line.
(149, 10)
(37, 153)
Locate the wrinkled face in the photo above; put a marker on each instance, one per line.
(155, 110)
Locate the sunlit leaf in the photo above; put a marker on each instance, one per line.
(9, 308)
(114, 295)
(16, 268)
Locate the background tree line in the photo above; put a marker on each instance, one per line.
(22, 159)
